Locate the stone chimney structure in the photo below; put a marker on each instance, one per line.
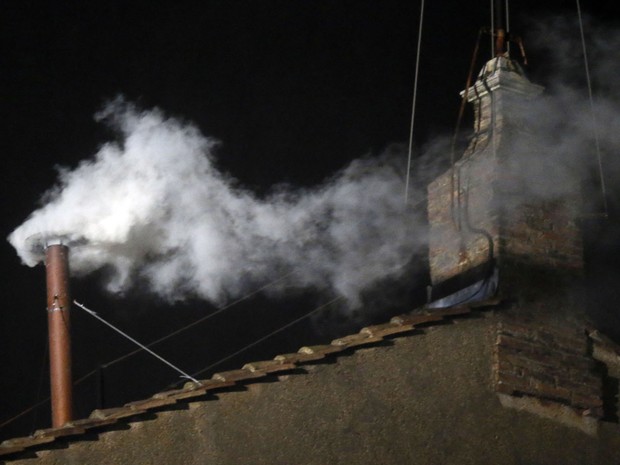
(500, 232)
(489, 226)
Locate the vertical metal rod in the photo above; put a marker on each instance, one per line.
(507, 10)
(500, 28)
(59, 327)
(492, 28)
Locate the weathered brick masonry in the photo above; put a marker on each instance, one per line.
(491, 204)
(496, 208)
(549, 363)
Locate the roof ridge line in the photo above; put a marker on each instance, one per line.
(100, 419)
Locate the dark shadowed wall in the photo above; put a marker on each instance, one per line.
(425, 399)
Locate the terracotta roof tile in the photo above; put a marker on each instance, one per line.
(237, 375)
(172, 393)
(148, 404)
(7, 450)
(66, 430)
(355, 340)
(416, 319)
(115, 413)
(184, 394)
(298, 358)
(90, 423)
(207, 384)
(191, 389)
(269, 366)
(11, 446)
(283, 362)
(386, 329)
(320, 349)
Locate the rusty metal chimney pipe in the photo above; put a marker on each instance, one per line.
(59, 327)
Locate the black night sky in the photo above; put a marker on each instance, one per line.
(295, 90)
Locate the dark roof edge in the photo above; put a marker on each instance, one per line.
(101, 420)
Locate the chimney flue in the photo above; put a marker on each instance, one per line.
(58, 305)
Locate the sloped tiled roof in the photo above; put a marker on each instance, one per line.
(111, 418)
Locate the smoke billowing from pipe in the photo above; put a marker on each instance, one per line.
(154, 208)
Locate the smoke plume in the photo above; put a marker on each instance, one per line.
(153, 208)
(573, 133)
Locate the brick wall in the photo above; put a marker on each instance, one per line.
(491, 204)
(521, 229)
(544, 233)
(548, 362)
(453, 246)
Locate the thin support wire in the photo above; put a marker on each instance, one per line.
(492, 28)
(507, 9)
(24, 412)
(413, 103)
(17, 416)
(90, 312)
(258, 341)
(200, 320)
(592, 111)
(8, 421)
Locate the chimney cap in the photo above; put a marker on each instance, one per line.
(38, 243)
(501, 72)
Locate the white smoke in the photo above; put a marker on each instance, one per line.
(562, 144)
(153, 208)
(576, 138)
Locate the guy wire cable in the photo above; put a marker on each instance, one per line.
(413, 103)
(593, 113)
(267, 336)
